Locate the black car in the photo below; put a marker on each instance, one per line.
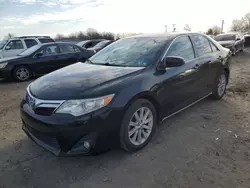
(42, 59)
(233, 41)
(120, 94)
(100, 45)
(89, 43)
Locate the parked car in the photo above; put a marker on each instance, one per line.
(89, 43)
(100, 45)
(15, 46)
(122, 92)
(233, 41)
(41, 59)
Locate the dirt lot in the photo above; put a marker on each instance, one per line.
(208, 145)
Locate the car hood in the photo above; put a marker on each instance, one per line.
(224, 43)
(73, 81)
(7, 59)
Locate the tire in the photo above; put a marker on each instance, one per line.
(242, 48)
(220, 85)
(21, 73)
(134, 142)
(234, 51)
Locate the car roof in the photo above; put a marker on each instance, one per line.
(57, 43)
(231, 33)
(167, 35)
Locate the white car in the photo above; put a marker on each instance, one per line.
(14, 46)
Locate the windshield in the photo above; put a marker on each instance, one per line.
(2, 43)
(29, 51)
(132, 52)
(101, 44)
(225, 37)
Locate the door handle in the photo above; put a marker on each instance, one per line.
(187, 72)
(196, 66)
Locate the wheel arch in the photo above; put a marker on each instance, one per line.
(151, 98)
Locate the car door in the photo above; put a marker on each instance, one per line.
(13, 48)
(206, 60)
(46, 59)
(178, 86)
(69, 54)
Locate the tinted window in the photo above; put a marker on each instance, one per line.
(202, 45)
(30, 42)
(214, 48)
(225, 37)
(131, 52)
(49, 50)
(182, 47)
(46, 40)
(15, 44)
(67, 48)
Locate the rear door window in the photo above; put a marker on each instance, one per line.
(182, 47)
(201, 45)
(30, 42)
(67, 48)
(49, 50)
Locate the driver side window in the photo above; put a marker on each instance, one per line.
(49, 50)
(14, 45)
(182, 47)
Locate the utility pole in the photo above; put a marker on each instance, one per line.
(166, 28)
(174, 29)
(222, 24)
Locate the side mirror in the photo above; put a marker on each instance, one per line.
(173, 61)
(238, 39)
(7, 48)
(38, 55)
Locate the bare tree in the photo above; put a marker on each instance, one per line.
(9, 36)
(187, 27)
(215, 30)
(241, 25)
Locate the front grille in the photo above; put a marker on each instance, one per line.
(47, 139)
(44, 111)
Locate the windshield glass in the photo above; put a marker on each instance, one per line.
(225, 37)
(29, 51)
(2, 43)
(101, 44)
(132, 52)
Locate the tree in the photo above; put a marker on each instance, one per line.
(241, 25)
(215, 30)
(187, 27)
(9, 36)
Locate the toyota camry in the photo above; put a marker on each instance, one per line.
(117, 98)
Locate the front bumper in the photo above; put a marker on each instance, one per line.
(64, 135)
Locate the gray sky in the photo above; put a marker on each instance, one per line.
(49, 17)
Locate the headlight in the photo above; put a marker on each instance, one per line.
(3, 65)
(84, 106)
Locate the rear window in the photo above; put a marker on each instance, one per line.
(46, 40)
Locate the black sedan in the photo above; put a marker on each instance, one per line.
(233, 41)
(117, 98)
(42, 59)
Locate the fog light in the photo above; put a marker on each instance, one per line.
(86, 145)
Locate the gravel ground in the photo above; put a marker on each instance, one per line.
(207, 145)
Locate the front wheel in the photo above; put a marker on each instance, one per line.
(22, 73)
(220, 86)
(138, 126)
(234, 51)
(242, 48)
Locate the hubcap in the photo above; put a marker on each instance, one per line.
(222, 84)
(22, 74)
(140, 126)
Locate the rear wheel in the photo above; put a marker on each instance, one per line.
(242, 48)
(138, 126)
(234, 51)
(22, 73)
(220, 86)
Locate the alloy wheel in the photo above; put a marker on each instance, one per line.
(140, 126)
(22, 74)
(222, 84)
